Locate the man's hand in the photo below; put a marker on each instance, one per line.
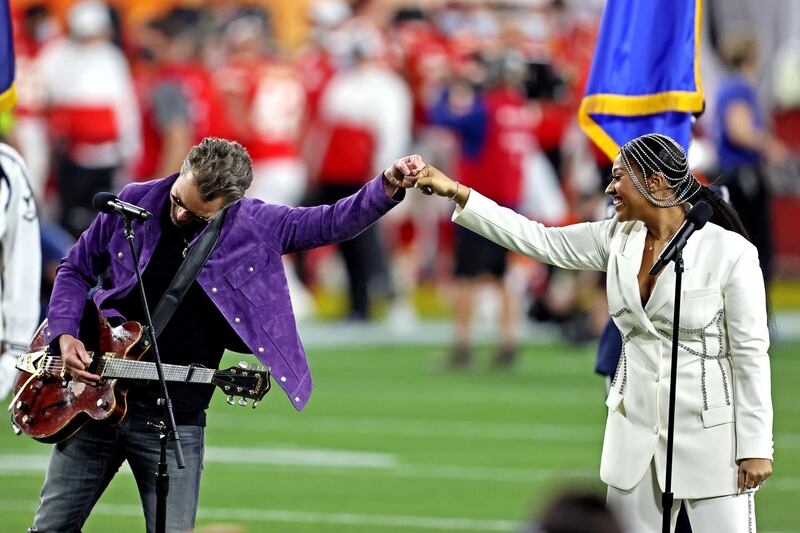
(76, 359)
(753, 472)
(402, 173)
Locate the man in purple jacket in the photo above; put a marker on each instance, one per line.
(239, 301)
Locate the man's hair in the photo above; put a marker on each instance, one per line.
(220, 168)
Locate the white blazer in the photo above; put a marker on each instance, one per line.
(723, 409)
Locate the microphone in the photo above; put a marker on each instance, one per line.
(696, 218)
(105, 202)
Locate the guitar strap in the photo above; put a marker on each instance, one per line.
(196, 257)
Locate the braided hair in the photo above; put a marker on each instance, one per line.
(654, 153)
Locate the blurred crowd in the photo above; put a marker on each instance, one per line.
(487, 91)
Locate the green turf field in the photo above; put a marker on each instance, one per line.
(388, 443)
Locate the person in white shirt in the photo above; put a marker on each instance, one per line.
(20, 264)
(93, 115)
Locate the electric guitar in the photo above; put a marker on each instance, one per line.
(49, 406)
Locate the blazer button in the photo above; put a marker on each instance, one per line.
(214, 290)
(120, 254)
(297, 399)
(237, 320)
(249, 269)
(655, 430)
(283, 379)
(655, 377)
(260, 349)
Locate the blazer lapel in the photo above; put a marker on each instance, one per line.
(629, 261)
(664, 291)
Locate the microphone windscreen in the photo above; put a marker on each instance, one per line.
(699, 214)
(101, 199)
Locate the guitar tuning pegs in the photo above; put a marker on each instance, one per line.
(230, 400)
(243, 365)
(253, 367)
(242, 402)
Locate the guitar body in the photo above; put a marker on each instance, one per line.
(50, 408)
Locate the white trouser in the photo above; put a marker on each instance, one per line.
(639, 509)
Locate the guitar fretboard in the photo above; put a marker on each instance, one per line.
(123, 368)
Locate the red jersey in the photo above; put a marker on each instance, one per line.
(497, 169)
(205, 110)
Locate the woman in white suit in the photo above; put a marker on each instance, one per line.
(723, 414)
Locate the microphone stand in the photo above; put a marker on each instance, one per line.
(667, 498)
(169, 430)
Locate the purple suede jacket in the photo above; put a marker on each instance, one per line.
(244, 276)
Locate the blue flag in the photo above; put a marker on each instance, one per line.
(646, 73)
(8, 95)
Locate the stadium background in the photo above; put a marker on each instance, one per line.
(391, 441)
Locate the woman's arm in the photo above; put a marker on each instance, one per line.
(578, 247)
(748, 336)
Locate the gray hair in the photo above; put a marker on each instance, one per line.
(220, 168)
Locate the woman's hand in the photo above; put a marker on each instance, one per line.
(753, 472)
(431, 180)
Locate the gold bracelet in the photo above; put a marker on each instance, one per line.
(453, 198)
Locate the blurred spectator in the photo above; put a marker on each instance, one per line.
(92, 112)
(267, 96)
(744, 143)
(315, 60)
(365, 114)
(576, 512)
(494, 128)
(180, 102)
(21, 263)
(33, 30)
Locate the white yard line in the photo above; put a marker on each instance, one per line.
(419, 428)
(346, 463)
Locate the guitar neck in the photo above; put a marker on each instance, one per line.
(128, 369)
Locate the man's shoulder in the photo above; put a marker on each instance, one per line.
(254, 207)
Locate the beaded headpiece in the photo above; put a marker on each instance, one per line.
(658, 154)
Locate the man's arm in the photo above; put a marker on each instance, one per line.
(302, 228)
(77, 273)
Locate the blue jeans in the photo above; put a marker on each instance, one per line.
(82, 466)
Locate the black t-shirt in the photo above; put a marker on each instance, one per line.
(196, 334)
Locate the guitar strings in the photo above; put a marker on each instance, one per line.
(128, 368)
